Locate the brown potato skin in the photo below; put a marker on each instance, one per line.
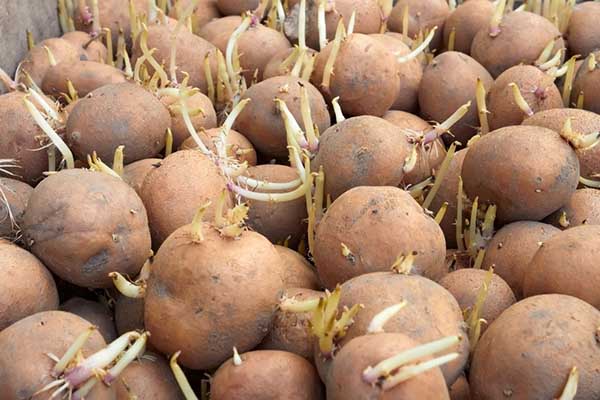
(539, 173)
(460, 388)
(464, 284)
(298, 273)
(24, 366)
(108, 118)
(29, 288)
(274, 68)
(148, 380)
(511, 249)
(20, 136)
(345, 381)
(261, 121)
(204, 298)
(129, 314)
(422, 15)
(432, 313)
(583, 122)
(361, 151)
(467, 19)
(583, 208)
(188, 179)
(522, 38)
(95, 51)
(362, 219)
(290, 331)
(86, 77)
(267, 375)
(238, 146)
(276, 221)
(216, 28)
(530, 349)
(135, 173)
(500, 99)
(85, 224)
(582, 33)
(95, 313)
(567, 264)
(236, 7)
(13, 201)
(450, 81)
(207, 119)
(369, 87)
(205, 12)
(586, 83)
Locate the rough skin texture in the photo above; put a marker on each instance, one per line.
(95, 313)
(422, 15)
(148, 379)
(467, 19)
(583, 208)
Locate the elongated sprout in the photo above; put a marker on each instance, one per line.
(568, 84)
(497, 18)
(127, 288)
(520, 100)
(452, 39)
(381, 318)
(546, 52)
(439, 216)
(329, 65)
(321, 24)
(339, 115)
(386, 9)
(482, 110)
(229, 53)
(419, 49)
(459, 216)
(440, 175)
(473, 316)
(577, 140)
(570, 389)
(184, 384)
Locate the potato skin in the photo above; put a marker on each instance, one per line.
(422, 15)
(467, 19)
(237, 145)
(85, 224)
(205, 11)
(86, 77)
(15, 196)
(236, 7)
(24, 366)
(582, 33)
(186, 178)
(450, 81)
(261, 121)
(530, 349)
(583, 208)
(539, 173)
(95, 51)
(148, 380)
(511, 249)
(345, 381)
(266, 375)
(129, 314)
(30, 289)
(95, 313)
(299, 273)
(362, 219)
(207, 119)
(460, 388)
(135, 173)
(361, 151)
(274, 68)
(204, 304)
(464, 284)
(108, 118)
(567, 264)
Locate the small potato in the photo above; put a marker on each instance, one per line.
(14, 196)
(528, 352)
(511, 249)
(567, 264)
(148, 378)
(353, 238)
(539, 173)
(95, 313)
(84, 224)
(583, 208)
(466, 20)
(205, 11)
(86, 76)
(237, 145)
(298, 273)
(28, 287)
(206, 118)
(583, 32)
(115, 115)
(464, 284)
(422, 15)
(135, 173)
(267, 374)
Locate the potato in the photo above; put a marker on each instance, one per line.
(220, 29)
(567, 264)
(83, 225)
(539, 172)
(94, 49)
(187, 179)
(281, 221)
(204, 297)
(115, 115)
(361, 220)
(410, 72)
(95, 313)
(583, 208)
(466, 20)
(267, 374)
(298, 273)
(149, 378)
(374, 78)
(275, 68)
(135, 173)
(205, 11)
(431, 313)
(14, 196)
(511, 249)
(28, 287)
(528, 352)
(422, 16)
(345, 380)
(25, 367)
(129, 314)
(536, 87)
(582, 33)
(237, 145)
(236, 7)
(464, 284)
(586, 86)
(22, 139)
(362, 151)
(261, 121)
(290, 330)
(450, 81)
(460, 388)
(36, 63)
(522, 38)
(205, 119)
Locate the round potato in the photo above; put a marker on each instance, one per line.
(583, 31)
(423, 15)
(298, 273)
(466, 20)
(95, 313)
(135, 173)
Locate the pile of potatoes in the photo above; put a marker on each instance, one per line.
(308, 200)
